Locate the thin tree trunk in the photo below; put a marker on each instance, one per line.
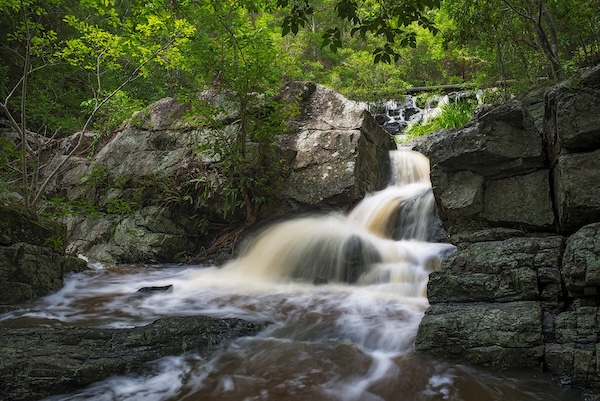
(23, 127)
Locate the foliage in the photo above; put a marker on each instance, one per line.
(248, 175)
(69, 64)
(388, 20)
(524, 40)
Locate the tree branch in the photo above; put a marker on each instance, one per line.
(132, 77)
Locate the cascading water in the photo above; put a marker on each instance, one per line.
(348, 338)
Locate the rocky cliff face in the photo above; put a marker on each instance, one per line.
(519, 194)
(335, 153)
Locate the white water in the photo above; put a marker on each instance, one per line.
(333, 341)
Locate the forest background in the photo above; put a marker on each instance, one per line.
(77, 65)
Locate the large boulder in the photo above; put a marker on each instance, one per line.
(340, 152)
(572, 132)
(493, 171)
(158, 194)
(501, 335)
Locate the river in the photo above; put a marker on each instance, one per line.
(344, 294)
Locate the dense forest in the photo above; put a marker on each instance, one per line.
(72, 65)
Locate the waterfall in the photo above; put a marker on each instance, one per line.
(344, 293)
(384, 239)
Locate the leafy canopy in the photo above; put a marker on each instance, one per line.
(387, 19)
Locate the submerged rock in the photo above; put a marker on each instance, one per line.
(154, 290)
(40, 361)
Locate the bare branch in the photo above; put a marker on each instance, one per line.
(134, 74)
(519, 12)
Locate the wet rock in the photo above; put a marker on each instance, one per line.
(501, 335)
(514, 269)
(525, 217)
(154, 290)
(42, 361)
(581, 262)
(574, 363)
(32, 259)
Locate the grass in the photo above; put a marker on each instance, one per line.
(454, 115)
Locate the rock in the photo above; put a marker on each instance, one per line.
(581, 262)
(22, 225)
(32, 259)
(574, 364)
(463, 196)
(340, 152)
(573, 115)
(514, 269)
(497, 145)
(148, 235)
(577, 190)
(167, 113)
(493, 171)
(501, 335)
(506, 200)
(42, 361)
(154, 290)
(335, 154)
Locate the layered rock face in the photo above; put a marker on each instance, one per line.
(334, 153)
(518, 191)
(32, 260)
(43, 361)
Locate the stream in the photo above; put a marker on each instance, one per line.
(344, 294)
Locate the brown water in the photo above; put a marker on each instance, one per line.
(350, 338)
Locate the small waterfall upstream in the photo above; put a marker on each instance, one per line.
(345, 294)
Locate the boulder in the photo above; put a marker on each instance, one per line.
(149, 181)
(340, 152)
(521, 202)
(493, 171)
(577, 189)
(500, 335)
(515, 269)
(572, 115)
(501, 143)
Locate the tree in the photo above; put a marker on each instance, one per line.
(387, 19)
(94, 48)
(536, 14)
(525, 39)
(237, 52)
